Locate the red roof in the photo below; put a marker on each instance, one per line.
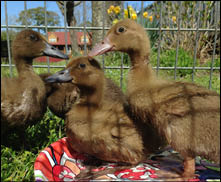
(61, 38)
(58, 38)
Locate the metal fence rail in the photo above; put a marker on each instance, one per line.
(103, 28)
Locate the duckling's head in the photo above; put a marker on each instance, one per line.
(29, 44)
(126, 36)
(82, 71)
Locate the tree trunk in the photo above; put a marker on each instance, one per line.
(71, 21)
(97, 21)
(98, 11)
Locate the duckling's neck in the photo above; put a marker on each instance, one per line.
(141, 75)
(140, 53)
(140, 64)
(91, 96)
(23, 65)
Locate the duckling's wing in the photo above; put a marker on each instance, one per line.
(13, 101)
(187, 98)
(21, 102)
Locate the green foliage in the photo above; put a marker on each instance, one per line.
(216, 63)
(189, 14)
(16, 166)
(153, 35)
(36, 16)
(117, 59)
(168, 59)
(11, 34)
(17, 159)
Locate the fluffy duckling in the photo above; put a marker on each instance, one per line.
(23, 99)
(60, 96)
(186, 115)
(97, 123)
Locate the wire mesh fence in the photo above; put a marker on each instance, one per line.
(160, 30)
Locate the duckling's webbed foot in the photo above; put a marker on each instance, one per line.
(189, 167)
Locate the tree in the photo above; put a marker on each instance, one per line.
(36, 16)
(71, 20)
(99, 9)
(97, 20)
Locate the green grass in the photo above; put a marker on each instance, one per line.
(17, 162)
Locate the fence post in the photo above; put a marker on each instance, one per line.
(25, 7)
(160, 32)
(214, 45)
(84, 19)
(198, 3)
(103, 32)
(65, 28)
(178, 38)
(8, 42)
(46, 32)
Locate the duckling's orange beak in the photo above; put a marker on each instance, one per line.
(101, 48)
(53, 52)
(60, 77)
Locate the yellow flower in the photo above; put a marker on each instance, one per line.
(130, 8)
(133, 11)
(151, 18)
(145, 14)
(174, 19)
(111, 7)
(109, 11)
(117, 9)
(157, 16)
(115, 21)
(134, 16)
(125, 13)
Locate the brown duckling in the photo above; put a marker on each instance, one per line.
(97, 123)
(186, 115)
(60, 96)
(23, 99)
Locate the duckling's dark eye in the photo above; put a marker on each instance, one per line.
(121, 29)
(81, 65)
(33, 37)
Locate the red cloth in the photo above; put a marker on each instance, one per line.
(59, 162)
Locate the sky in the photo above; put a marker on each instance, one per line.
(15, 7)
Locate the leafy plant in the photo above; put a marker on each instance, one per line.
(17, 160)
(168, 59)
(189, 15)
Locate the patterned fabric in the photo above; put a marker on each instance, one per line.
(59, 162)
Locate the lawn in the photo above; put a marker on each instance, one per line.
(17, 161)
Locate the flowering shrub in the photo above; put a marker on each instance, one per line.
(188, 19)
(114, 13)
(189, 14)
(149, 20)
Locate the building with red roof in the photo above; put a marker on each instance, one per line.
(57, 39)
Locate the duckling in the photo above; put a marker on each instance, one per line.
(23, 99)
(60, 96)
(97, 123)
(185, 115)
